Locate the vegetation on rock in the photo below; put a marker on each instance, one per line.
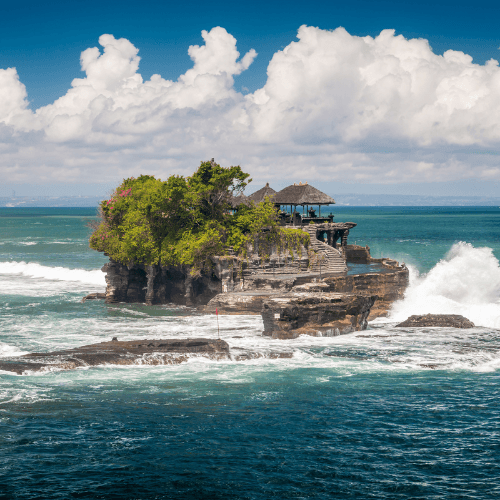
(186, 221)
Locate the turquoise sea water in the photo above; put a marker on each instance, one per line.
(387, 413)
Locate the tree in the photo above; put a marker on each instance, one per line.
(182, 221)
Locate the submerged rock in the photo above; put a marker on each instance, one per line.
(440, 320)
(94, 296)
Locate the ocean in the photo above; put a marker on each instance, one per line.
(387, 413)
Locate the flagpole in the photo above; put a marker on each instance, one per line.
(217, 316)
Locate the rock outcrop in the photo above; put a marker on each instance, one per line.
(314, 313)
(439, 320)
(358, 254)
(177, 284)
(151, 352)
(158, 284)
(135, 352)
(332, 306)
(239, 302)
(94, 296)
(327, 303)
(387, 286)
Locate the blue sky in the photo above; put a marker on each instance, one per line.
(43, 41)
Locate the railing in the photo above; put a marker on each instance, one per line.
(317, 220)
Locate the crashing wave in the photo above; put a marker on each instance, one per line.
(466, 282)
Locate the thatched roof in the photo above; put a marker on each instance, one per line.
(235, 201)
(302, 194)
(261, 194)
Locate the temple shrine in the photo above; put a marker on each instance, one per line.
(321, 228)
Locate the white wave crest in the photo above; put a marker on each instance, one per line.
(7, 350)
(466, 282)
(33, 270)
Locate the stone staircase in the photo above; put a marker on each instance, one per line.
(331, 260)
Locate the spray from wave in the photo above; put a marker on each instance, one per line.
(33, 270)
(466, 282)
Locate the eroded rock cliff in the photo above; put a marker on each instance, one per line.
(315, 313)
(159, 285)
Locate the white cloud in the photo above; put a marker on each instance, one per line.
(336, 106)
(13, 99)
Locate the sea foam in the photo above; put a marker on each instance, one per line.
(466, 282)
(34, 270)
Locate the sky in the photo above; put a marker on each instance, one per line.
(354, 97)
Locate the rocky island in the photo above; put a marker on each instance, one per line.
(199, 241)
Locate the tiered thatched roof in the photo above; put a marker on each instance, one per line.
(302, 194)
(236, 201)
(261, 194)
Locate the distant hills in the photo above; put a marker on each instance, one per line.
(356, 200)
(389, 200)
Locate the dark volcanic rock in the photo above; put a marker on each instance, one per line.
(315, 313)
(135, 352)
(151, 352)
(158, 285)
(94, 296)
(442, 320)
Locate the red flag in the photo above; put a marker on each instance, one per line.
(216, 312)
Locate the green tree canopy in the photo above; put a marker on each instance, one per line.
(182, 220)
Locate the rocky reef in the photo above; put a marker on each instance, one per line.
(132, 352)
(439, 320)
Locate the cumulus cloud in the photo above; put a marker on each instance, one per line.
(362, 109)
(13, 98)
(347, 89)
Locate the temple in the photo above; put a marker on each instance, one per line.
(299, 284)
(328, 238)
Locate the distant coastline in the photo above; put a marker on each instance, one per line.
(355, 200)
